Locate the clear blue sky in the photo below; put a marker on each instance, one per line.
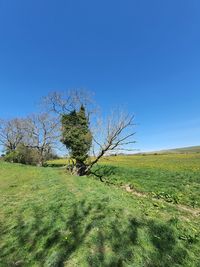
(142, 54)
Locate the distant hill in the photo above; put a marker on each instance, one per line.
(191, 149)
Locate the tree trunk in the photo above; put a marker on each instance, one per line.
(80, 169)
(41, 159)
(40, 163)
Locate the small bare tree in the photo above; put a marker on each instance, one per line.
(114, 136)
(11, 133)
(41, 134)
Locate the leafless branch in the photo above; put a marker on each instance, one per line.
(11, 133)
(67, 101)
(118, 136)
(41, 132)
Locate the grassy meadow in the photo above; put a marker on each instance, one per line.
(50, 218)
(172, 177)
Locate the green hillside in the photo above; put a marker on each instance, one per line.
(191, 149)
(49, 218)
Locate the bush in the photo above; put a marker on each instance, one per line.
(23, 155)
(12, 156)
(27, 155)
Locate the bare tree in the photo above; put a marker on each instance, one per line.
(42, 133)
(64, 102)
(117, 136)
(11, 133)
(117, 132)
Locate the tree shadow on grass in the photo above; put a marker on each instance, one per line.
(114, 245)
(110, 240)
(103, 172)
(55, 165)
(167, 251)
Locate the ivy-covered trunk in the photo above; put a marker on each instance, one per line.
(77, 138)
(80, 168)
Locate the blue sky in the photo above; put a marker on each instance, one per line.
(144, 55)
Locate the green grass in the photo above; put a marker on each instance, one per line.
(172, 177)
(49, 218)
(176, 187)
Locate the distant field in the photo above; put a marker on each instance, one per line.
(192, 149)
(49, 218)
(173, 162)
(173, 177)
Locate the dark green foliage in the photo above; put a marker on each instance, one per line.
(13, 156)
(76, 134)
(26, 155)
(23, 155)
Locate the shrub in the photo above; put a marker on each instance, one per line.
(23, 155)
(12, 156)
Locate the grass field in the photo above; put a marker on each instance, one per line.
(173, 177)
(49, 218)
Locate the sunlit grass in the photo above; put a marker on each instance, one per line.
(173, 162)
(49, 218)
(173, 177)
(170, 162)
